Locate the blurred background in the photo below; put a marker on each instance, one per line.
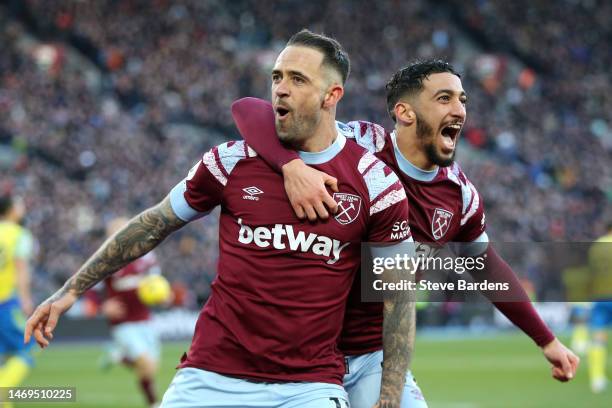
(106, 104)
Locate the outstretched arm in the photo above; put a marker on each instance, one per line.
(520, 311)
(305, 186)
(143, 233)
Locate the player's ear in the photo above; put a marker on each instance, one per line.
(404, 113)
(334, 93)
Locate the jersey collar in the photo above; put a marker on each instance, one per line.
(327, 154)
(410, 169)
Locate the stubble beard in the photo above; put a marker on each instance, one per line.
(426, 135)
(298, 128)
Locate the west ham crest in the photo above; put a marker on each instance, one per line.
(440, 222)
(348, 207)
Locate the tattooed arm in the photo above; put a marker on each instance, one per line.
(143, 233)
(399, 331)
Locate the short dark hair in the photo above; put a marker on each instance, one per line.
(333, 53)
(409, 80)
(6, 202)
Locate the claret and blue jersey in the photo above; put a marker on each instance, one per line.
(277, 304)
(444, 207)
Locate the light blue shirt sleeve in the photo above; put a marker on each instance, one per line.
(406, 247)
(180, 206)
(476, 247)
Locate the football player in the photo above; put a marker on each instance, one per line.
(427, 102)
(600, 264)
(268, 333)
(16, 248)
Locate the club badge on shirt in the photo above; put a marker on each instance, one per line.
(349, 206)
(440, 222)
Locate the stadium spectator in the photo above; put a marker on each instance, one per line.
(541, 135)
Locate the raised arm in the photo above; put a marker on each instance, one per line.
(305, 186)
(143, 233)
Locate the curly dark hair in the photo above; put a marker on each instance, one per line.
(409, 80)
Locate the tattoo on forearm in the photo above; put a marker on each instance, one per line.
(399, 332)
(143, 233)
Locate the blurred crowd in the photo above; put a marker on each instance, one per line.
(86, 142)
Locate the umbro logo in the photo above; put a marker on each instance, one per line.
(251, 193)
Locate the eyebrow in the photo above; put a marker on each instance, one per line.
(449, 91)
(292, 72)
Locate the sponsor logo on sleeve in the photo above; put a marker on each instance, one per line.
(400, 230)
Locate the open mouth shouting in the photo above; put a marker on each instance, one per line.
(450, 134)
(281, 112)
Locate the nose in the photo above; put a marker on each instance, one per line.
(458, 110)
(280, 89)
